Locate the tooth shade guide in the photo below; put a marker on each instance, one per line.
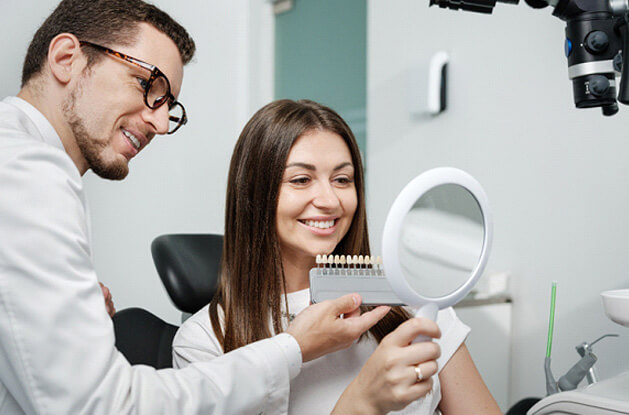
(378, 265)
(324, 260)
(349, 265)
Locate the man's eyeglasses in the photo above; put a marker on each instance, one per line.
(156, 89)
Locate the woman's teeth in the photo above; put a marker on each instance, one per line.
(131, 137)
(321, 224)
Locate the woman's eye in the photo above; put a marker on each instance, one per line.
(143, 83)
(343, 180)
(300, 180)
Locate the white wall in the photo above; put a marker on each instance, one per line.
(18, 22)
(178, 183)
(557, 177)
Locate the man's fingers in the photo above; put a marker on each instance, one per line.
(105, 290)
(346, 304)
(370, 318)
(353, 314)
(410, 329)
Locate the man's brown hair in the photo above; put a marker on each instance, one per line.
(104, 22)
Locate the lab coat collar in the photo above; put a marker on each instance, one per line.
(46, 130)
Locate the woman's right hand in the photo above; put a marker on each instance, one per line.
(388, 380)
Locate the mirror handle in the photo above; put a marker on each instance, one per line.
(429, 311)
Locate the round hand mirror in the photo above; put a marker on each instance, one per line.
(436, 239)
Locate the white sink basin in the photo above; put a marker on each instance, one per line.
(616, 305)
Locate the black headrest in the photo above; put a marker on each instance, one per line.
(189, 266)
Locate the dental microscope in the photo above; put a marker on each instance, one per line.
(596, 45)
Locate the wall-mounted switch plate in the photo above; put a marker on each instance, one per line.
(428, 84)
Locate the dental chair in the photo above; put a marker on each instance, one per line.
(188, 265)
(143, 338)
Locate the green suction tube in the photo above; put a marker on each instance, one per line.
(551, 320)
(551, 383)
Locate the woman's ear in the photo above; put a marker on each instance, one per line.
(65, 58)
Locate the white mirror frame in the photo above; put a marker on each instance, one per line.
(407, 198)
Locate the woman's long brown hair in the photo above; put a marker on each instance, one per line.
(252, 277)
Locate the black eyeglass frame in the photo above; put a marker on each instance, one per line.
(155, 73)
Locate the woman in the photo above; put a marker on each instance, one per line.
(295, 190)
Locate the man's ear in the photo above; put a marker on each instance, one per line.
(65, 57)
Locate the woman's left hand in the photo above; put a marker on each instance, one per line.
(390, 380)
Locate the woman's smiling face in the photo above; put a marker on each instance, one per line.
(317, 198)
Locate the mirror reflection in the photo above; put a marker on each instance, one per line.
(441, 240)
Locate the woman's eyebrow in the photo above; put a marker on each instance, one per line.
(314, 168)
(342, 165)
(303, 165)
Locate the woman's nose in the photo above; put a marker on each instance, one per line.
(326, 197)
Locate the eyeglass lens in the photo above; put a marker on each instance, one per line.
(158, 92)
(157, 95)
(175, 117)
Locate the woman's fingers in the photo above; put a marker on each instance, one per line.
(421, 352)
(423, 371)
(410, 329)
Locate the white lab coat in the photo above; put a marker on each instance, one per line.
(57, 353)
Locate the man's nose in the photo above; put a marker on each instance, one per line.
(158, 119)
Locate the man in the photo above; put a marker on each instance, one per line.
(100, 80)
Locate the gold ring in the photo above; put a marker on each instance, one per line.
(420, 375)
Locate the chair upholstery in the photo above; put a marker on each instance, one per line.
(188, 265)
(144, 338)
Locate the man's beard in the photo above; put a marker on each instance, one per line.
(92, 148)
